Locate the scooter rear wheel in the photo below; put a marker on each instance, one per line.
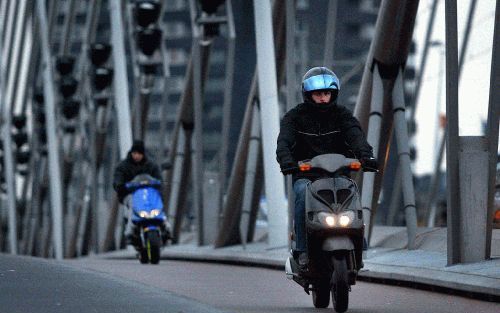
(340, 283)
(321, 296)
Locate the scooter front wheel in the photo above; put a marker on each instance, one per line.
(340, 282)
(153, 245)
(321, 295)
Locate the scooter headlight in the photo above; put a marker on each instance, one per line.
(327, 219)
(330, 220)
(146, 214)
(155, 213)
(346, 218)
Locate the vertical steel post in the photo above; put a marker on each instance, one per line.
(291, 91)
(177, 168)
(229, 227)
(423, 60)
(331, 29)
(465, 41)
(492, 126)
(165, 99)
(269, 114)
(395, 198)
(431, 206)
(197, 143)
(68, 21)
(6, 108)
(53, 146)
(452, 177)
(120, 78)
(401, 132)
(226, 108)
(373, 138)
(9, 29)
(4, 5)
(250, 171)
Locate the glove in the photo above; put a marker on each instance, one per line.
(288, 167)
(369, 164)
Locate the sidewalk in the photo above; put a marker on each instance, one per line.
(387, 260)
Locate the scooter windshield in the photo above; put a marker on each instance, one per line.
(146, 199)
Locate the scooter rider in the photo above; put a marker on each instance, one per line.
(317, 126)
(134, 164)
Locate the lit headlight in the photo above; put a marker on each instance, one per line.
(327, 218)
(146, 214)
(346, 218)
(343, 219)
(155, 212)
(330, 220)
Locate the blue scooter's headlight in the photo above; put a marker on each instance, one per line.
(152, 214)
(155, 213)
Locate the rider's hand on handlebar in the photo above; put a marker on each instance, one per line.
(369, 164)
(289, 167)
(290, 170)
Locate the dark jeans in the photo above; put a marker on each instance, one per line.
(299, 187)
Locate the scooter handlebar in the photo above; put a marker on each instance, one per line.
(290, 170)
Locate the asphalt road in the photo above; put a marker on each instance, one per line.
(251, 290)
(33, 285)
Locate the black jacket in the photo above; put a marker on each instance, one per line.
(127, 169)
(307, 131)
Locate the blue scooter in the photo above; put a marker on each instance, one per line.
(148, 216)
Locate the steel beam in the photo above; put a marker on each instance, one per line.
(68, 22)
(291, 92)
(9, 68)
(120, 77)
(269, 115)
(423, 60)
(53, 146)
(250, 172)
(373, 138)
(389, 49)
(492, 126)
(331, 29)
(465, 40)
(452, 159)
(229, 225)
(401, 133)
(226, 108)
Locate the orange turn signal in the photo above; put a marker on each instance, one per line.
(496, 216)
(304, 167)
(355, 166)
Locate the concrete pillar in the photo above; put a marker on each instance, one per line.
(473, 194)
(268, 95)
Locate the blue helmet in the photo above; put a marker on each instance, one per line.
(320, 78)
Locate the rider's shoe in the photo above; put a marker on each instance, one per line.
(303, 261)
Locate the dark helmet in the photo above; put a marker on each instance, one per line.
(320, 78)
(138, 146)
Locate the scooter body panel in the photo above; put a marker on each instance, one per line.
(337, 243)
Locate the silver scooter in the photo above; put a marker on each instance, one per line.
(334, 232)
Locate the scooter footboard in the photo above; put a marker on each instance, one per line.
(337, 243)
